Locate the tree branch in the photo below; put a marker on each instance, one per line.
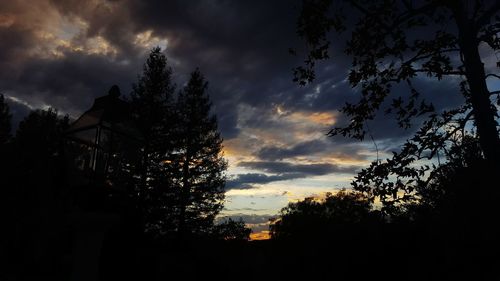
(420, 56)
(410, 12)
(492, 75)
(455, 72)
(485, 18)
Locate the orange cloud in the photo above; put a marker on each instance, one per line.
(262, 235)
(147, 40)
(315, 118)
(6, 20)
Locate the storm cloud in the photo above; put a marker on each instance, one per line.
(300, 169)
(65, 53)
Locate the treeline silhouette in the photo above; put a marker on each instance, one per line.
(449, 233)
(137, 198)
(437, 193)
(133, 177)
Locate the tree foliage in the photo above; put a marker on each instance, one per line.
(152, 105)
(34, 154)
(151, 102)
(39, 135)
(394, 43)
(5, 119)
(234, 230)
(179, 180)
(182, 171)
(196, 164)
(313, 217)
(35, 149)
(32, 184)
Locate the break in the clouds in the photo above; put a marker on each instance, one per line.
(64, 53)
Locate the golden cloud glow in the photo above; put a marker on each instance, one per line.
(282, 129)
(63, 35)
(262, 235)
(6, 20)
(56, 47)
(56, 34)
(259, 129)
(295, 126)
(237, 149)
(147, 41)
(314, 118)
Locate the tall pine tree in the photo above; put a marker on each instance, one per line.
(181, 175)
(196, 165)
(152, 105)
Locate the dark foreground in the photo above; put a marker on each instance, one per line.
(386, 255)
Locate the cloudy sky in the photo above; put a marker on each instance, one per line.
(64, 53)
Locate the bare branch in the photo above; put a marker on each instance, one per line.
(492, 75)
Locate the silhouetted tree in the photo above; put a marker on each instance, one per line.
(33, 189)
(232, 230)
(39, 136)
(151, 102)
(312, 217)
(36, 146)
(5, 136)
(392, 43)
(5, 119)
(436, 193)
(457, 209)
(182, 171)
(7, 200)
(196, 166)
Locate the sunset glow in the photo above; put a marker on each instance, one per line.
(274, 131)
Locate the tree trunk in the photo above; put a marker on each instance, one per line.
(483, 111)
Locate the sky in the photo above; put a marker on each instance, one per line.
(65, 53)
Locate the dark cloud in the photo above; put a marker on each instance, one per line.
(43, 60)
(78, 79)
(384, 129)
(303, 148)
(242, 50)
(298, 170)
(248, 180)
(257, 222)
(282, 171)
(46, 59)
(339, 147)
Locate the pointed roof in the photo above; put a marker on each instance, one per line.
(108, 112)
